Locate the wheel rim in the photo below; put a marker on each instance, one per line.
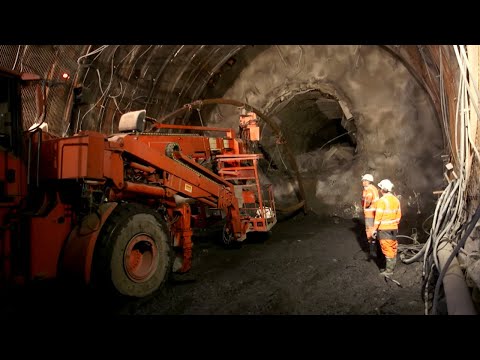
(140, 258)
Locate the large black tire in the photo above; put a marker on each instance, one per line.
(133, 234)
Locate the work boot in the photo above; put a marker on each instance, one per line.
(389, 267)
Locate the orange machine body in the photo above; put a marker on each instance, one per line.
(56, 193)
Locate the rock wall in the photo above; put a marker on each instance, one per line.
(397, 134)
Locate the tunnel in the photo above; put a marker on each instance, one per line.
(328, 114)
(317, 94)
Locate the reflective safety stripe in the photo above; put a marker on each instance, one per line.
(385, 211)
(389, 221)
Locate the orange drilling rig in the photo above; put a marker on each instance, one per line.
(116, 211)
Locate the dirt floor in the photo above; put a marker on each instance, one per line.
(308, 265)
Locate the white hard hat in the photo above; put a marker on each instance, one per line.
(367, 177)
(385, 185)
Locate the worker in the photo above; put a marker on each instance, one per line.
(369, 200)
(385, 227)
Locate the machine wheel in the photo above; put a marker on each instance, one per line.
(133, 255)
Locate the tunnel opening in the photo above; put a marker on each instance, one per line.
(314, 119)
(314, 122)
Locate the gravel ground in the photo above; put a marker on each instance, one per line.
(308, 265)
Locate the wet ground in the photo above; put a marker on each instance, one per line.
(308, 265)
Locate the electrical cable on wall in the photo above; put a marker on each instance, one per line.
(450, 213)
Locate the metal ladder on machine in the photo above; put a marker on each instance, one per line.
(256, 203)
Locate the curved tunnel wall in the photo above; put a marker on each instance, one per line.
(397, 133)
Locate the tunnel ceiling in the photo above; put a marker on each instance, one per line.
(118, 78)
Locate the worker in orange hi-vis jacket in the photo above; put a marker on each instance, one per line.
(385, 228)
(369, 200)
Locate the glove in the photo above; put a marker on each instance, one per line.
(374, 235)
